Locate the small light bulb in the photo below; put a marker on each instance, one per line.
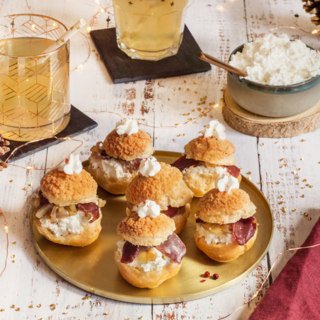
(220, 8)
(6, 229)
(54, 24)
(89, 29)
(102, 10)
(80, 66)
(315, 31)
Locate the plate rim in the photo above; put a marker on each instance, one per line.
(148, 300)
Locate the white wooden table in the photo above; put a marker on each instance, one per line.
(219, 26)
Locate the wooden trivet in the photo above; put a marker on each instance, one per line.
(79, 123)
(260, 126)
(122, 68)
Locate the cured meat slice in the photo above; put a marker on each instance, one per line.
(171, 211)
(184, 163)
(244, 230)
(42, 199)
(173, 248)
(91, 209)
(233, 170)
(129, 252)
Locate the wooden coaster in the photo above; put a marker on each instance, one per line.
(122, 68)
(79, 123)
(260, 126)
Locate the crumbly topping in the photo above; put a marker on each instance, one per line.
(134, 226)
(153, 188)
(62, 186)
(215, 200)
(128, 147)
(209, 149)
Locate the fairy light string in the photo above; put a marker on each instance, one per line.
(105, 9)
(203, 114)
(89, 28)
(290, 27)
(6, 164)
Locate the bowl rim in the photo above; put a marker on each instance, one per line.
(296, 87)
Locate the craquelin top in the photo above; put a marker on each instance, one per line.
(63, 189)
(225, 207)
(128, 147)
(146, 231)
(211, 150)
(166, 188)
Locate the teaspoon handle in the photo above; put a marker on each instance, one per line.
(206, 57)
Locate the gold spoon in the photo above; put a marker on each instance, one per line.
(205, 57)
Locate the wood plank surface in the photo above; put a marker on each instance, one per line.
(218, 26)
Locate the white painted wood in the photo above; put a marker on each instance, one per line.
(291, 227)
(219, 27)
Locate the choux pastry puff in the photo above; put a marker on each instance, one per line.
(206, 158)
(164, 185)
(67, 209)
(150, 252)
(116, 161)
(226, 227)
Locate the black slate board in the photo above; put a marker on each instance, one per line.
(79, 123)
(122, 68)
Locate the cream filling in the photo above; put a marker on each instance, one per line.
(215, 129)
(127, 126)
(205, 169)
(226, 183)
(211, 238)
(69, 225)
(111, 168)
(160, 261)
(147, 208)
(149, 167)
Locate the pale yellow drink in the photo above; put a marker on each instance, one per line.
(149, 29)
(34, 89)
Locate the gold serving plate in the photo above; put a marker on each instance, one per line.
(93, 268)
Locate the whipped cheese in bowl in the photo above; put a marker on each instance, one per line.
(275, 60)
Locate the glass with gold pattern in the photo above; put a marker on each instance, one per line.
(34, 87)
(149, 29)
